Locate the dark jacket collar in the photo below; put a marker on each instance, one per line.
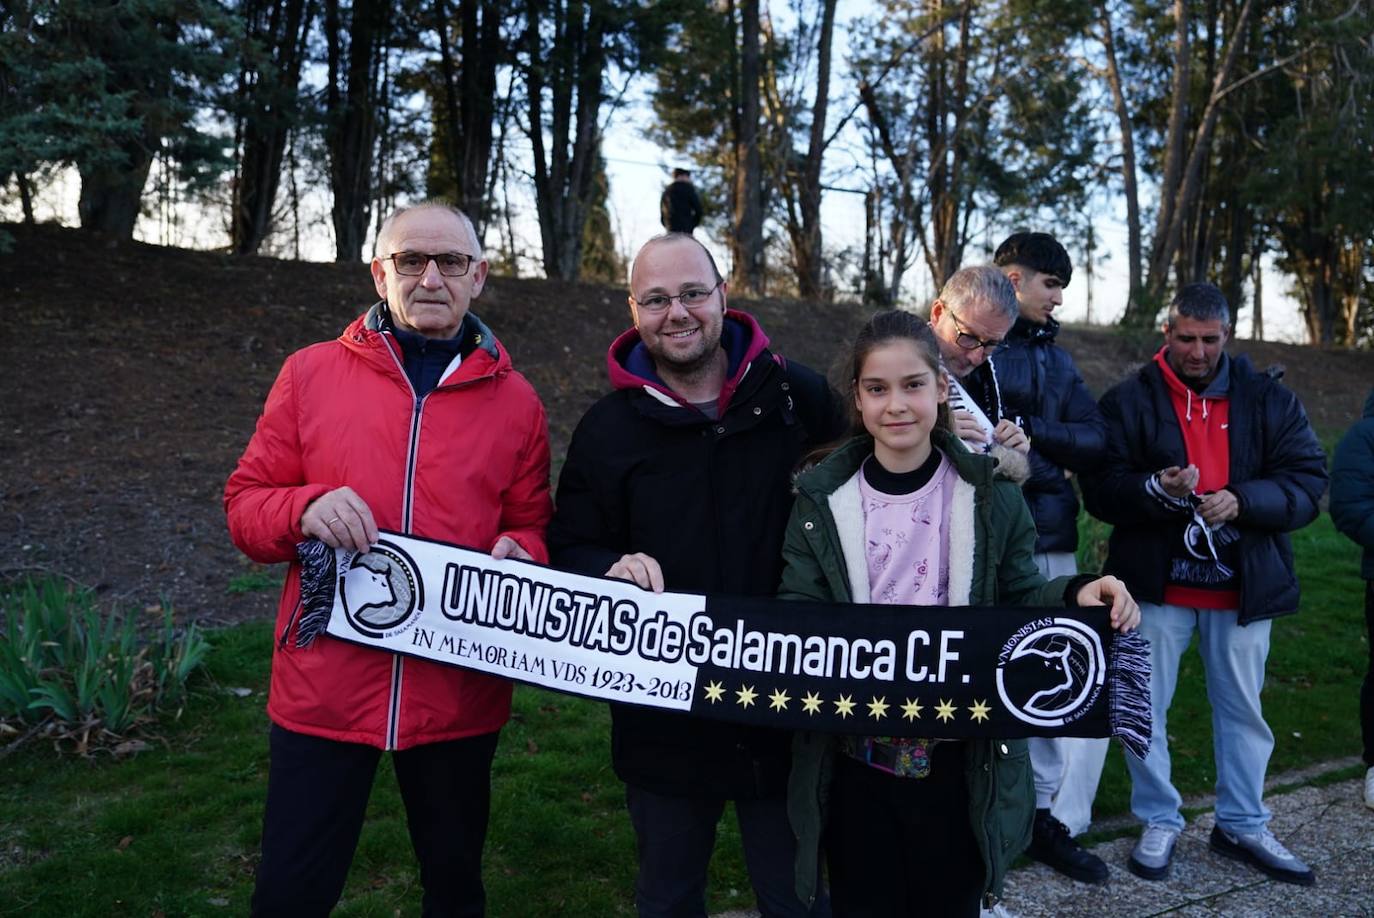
(1024, 329)
(473, 331)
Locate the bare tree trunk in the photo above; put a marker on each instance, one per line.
(112, 192)
(1257, 278)
(874, 290)
(1238, 230)
(807, 252)
(908, 210)
(25, 197)
(1350, 261)
(1173, 157)
(1176, 201)
(469, 100)
(271, 101)
(564, 172)
(352, 129)
(747, 239)
(947, 101)
(1128, 169)
(937, 178)
(294, 195)
(111, 197)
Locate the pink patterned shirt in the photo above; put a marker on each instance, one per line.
(907, 541)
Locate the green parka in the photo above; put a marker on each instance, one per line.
(992, 539)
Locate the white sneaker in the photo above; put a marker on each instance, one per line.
(1152, 855)
(1264, 852)
(997, 911)
(1369, 788)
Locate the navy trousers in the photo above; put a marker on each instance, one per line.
(317, 792)
(903, 846)
(675, 837)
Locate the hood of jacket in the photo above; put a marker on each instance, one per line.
(630, 366)
(1369, 405)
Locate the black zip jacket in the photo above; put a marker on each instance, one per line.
(1277, 472)
(1040, 385)
(709, 500)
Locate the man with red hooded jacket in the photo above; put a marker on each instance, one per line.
(412, 420)
(1209, 465)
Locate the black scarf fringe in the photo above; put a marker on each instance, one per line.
(1128, 692)
(317, 589)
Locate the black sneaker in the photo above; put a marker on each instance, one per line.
(1051, 844)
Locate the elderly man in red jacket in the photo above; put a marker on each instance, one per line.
(412, 420)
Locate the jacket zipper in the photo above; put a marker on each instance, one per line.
(393, 707)
(393, 703)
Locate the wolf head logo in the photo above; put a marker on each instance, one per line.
(380, 590)
(1053, 674)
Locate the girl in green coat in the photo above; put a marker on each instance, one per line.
(903, 514)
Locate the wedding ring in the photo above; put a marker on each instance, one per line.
(331, 522)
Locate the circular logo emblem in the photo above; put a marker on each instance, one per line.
(381, 590)
(1051, 671)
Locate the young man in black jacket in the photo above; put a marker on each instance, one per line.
(681, 479)
(1042, 391)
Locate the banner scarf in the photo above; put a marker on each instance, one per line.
(875, 670)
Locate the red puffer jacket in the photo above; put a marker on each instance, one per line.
(468, 463)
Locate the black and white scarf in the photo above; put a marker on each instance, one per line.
(851, 668)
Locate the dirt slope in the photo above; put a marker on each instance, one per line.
(133, 375)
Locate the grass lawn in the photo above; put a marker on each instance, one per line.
(174, 830)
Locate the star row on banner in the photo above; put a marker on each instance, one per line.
(845, 706)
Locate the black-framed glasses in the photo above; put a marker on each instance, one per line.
(413, 264)
(971, 342)
(689, 298)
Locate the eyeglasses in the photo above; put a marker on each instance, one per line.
(689, 298)
(971, 342)
(413, 264)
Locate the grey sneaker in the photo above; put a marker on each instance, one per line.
(1151, 856)
(1264, 852)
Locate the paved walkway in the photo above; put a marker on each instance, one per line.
(1329, 827)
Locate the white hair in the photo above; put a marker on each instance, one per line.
(982, 287)
(384, 234)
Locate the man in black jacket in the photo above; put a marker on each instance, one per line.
(1042, 391)
(1210, 464)
(681, 479)
(679, 209)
